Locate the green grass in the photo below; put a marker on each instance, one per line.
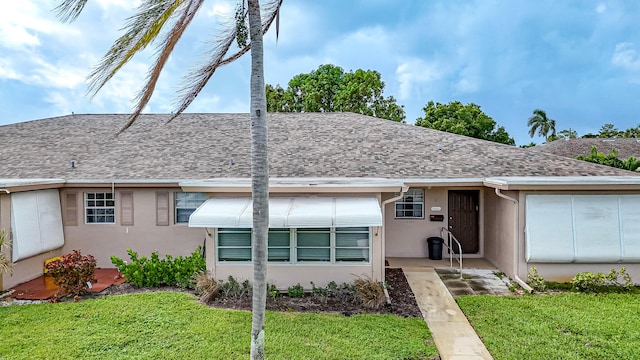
(167, 325)
(566, 326)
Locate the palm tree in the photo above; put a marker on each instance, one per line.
(141, 30)
(541, 124)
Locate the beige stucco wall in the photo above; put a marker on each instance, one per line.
(285, 275)
(408, 237)
(104, 240)
(500, 230)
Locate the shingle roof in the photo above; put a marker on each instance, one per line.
(200, 146)
(574, 147)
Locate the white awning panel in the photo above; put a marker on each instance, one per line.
(290, 212)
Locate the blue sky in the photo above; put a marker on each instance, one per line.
(577, 60)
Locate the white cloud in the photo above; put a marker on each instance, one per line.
(601, 8)
(626, 56)
(416, 72)
(220, 8)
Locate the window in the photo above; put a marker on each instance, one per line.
(234, 245)
(411, 205)
(313, 244)
(324, 245)
(279, 245)
(187, 203)
(99, 208)
(352, 244)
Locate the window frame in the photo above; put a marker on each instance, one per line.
(94, 206)
(293, 246)
(188, 201)
(405, 201)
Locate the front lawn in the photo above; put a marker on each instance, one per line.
(565, 326)
(167, 325)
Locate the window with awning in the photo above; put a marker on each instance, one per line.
(301, 229)
(290, 212)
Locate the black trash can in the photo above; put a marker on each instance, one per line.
(435, 247)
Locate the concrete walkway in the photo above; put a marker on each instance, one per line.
(453, 335)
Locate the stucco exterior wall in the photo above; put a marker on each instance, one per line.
(144, 236)
(408, 237)
(500, 230)
(104, 240)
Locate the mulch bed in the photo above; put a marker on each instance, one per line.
(403, 302)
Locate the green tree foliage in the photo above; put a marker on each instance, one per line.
(611, 159)
(467, 120)
(609, 131)
(329, 88)
(567, 134)
(543, 125)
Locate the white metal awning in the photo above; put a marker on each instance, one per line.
(290, 212)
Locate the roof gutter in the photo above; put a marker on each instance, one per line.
(516, 243)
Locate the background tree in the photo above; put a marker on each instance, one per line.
(543, 125)
(143, 29)
(611, 159)
(567, 134)
(609, 131)
(329, 88)
(467, 120)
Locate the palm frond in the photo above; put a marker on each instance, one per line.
(186, 15)
(69, 10)
(141, 30)
(5, 262)
(196, 80)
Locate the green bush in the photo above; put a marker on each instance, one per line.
(295, 291)
(536, 281)
(73, 273)
(153, 272)
(344, 292)
(589, 282)
(233, 289)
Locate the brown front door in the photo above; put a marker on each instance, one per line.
(463, 219)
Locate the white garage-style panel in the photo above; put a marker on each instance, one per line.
(549, 228)
(582, 228)
(36, 221)
(597, 228)
(630, 214)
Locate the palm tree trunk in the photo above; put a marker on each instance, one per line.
(259, 181)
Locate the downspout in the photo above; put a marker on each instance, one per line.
(5, 190)
(516, 244)
(403, 190)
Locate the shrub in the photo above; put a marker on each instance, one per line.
(599, 282)
(370, 293)
(206, 286)
(272, 291)
(154, 272)
(233, 289)
(536, 281)
(73, 273)
(344, 292)
(295, 291)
